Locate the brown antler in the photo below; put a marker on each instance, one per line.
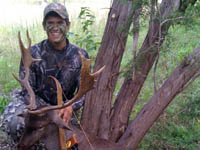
(62, 137)
(27, 61)
(87, 83)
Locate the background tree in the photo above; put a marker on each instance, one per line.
(111, 122)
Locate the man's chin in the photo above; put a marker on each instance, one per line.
(57, 41)
(57, 38)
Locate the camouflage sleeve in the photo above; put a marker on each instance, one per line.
(77, 105)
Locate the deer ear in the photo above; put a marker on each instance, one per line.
(55, 118)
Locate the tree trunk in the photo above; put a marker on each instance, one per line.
(98, 101)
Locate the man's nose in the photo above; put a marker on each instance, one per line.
(55, 27)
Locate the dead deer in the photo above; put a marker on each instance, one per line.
(44, 122)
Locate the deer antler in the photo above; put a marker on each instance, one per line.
(27, 61)
(87, 83)
(62, 137)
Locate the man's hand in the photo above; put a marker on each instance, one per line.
(66, 113)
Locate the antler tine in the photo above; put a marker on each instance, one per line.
(25, 52)
(96, 74)
(29, 39)
(16, 78)
(27, 61)
(62, 137)
(87, 83)
(59, 91)
(20, 42)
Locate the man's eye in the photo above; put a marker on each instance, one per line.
(60, 22)
(49, 23)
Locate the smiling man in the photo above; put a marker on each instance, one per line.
(59, 58)
(56, 24)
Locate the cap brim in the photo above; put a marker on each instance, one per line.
(63, 17)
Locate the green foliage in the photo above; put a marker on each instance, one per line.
(86, 38)
(3, 102)
(190, 109)
(178, 128)
(191, 15)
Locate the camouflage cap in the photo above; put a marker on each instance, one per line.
(58, 8)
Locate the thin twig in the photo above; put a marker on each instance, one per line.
(84, 132)
(154, 72)
(158, 46)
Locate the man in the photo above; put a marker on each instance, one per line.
(59, 58)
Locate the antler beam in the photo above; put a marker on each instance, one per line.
(27, 60)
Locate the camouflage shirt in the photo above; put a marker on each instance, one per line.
(64, 65)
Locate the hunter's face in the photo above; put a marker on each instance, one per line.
(56, 29)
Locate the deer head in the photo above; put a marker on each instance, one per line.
(39, 119)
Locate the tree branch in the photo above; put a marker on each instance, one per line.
(187, 70)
